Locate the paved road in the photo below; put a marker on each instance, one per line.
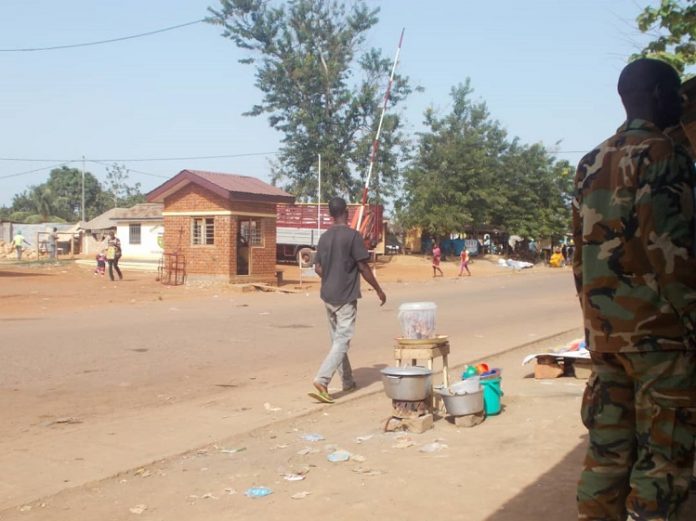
(84, 396)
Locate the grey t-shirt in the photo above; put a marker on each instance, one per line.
(339, 250)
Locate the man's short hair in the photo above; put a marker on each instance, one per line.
(337, 207)
(644, 74)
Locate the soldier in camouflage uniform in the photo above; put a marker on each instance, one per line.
(635, 272)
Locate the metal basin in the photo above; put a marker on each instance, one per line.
(407, 383)
(462, 404)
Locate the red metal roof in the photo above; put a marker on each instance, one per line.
(230, 186)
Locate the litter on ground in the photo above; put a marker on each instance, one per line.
(312, 437)
(339, 456)
(138, 509)
(433, 447)
(258, 492)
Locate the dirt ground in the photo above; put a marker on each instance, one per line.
(42, 287)
(519, 465)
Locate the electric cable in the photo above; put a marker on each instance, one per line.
(36, 170)
(102, 42)
(148, 159)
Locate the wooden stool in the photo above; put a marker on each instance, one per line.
(424, 349)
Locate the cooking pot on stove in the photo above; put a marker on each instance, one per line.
(407, 383)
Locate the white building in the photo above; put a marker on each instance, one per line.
(141, 230)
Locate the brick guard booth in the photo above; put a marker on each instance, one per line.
(223, 224)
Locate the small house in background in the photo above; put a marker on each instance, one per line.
(96, 230)
(141, 230)
(224, 225)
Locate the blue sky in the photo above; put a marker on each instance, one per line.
(546, 68)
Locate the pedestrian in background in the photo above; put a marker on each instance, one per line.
(635, 273)
(113, 254)
(18, 243)
(436, 260)
(464, 262)
(53, 244)
(341, 259)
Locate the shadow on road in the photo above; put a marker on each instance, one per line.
(365, 376)
(23, 274)
(551, 497)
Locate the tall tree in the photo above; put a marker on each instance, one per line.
(453, 183)
(66, 186)
(537, 191)
(467, 174)
(673, 25)
(305, 54)
(61, 196)
(118, 192)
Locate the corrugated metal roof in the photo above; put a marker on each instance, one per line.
(229, 186)
(141, 211)
(103, 221)
(242, 184)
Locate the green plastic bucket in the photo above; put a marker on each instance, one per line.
(492, 393)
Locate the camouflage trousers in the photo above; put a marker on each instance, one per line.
(640, 410)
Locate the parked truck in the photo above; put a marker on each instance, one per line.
(300, 225)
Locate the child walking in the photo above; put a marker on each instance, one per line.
(464, 262)
(436, 260)
(101, 264)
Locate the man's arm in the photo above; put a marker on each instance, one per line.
(366, 273)
(577, 233)
(665, 212)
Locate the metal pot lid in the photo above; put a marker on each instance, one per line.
(406, 371)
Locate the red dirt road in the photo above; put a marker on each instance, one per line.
(99, 378)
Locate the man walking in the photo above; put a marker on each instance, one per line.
(340, 260)
(635, 272)
(18, 243)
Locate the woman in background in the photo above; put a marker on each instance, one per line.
(113, 254)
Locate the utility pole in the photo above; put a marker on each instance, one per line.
(83, 189)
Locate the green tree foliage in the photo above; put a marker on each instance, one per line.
(60, 197)
(305, 55)
(117, 192)
(536, 190)
(673, 25)
(467, 174)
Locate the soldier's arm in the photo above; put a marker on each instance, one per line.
(577, 237)
(666, 227)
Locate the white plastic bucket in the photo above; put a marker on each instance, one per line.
(417, 319)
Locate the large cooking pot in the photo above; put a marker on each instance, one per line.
(407, 383)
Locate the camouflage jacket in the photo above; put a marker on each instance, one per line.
(634, 231)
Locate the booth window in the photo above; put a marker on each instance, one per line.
(203, 231)
(250, 232)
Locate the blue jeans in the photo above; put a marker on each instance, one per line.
(341, 329)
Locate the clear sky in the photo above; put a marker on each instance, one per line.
(546, 68)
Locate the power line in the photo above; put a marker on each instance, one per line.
(141, 159)
(35, 171)
(101, 42)
(105, 164)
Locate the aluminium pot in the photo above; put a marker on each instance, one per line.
(462, 404)
(407, 383)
